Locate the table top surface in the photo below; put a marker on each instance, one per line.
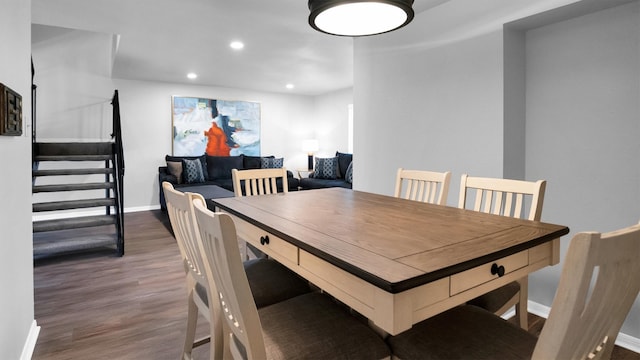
(393, 243)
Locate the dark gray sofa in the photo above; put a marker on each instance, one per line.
(217, 171)
(341, 179)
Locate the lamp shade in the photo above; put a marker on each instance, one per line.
(359, 17)
(310, 145)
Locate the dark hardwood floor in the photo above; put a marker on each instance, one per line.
(99, 306)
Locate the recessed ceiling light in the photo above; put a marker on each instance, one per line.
(236, 45)
(289, 86)
(192, 75)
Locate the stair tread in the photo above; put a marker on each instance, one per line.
(44, 246)
(73, 148)
(73, 204)
(73, 157)
(88, 171)
(73, 223)
(73, 187)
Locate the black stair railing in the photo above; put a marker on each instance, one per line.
(119, 171)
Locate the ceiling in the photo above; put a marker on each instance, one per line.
(163, 40)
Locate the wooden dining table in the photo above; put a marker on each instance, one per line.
(395, 261)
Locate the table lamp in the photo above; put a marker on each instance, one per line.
(310, 146)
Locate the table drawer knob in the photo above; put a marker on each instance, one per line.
(497, 270)
(264, 240)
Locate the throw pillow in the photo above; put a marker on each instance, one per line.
(252, 162)
(326, 168)
(219, 167)
(175, 169)
(343, 163)
(348, 177)
(202, 158)
(192, 171)
(272, 163)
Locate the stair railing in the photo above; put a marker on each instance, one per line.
(119, 171)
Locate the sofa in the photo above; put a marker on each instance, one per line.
(200, 173)
(330, 172)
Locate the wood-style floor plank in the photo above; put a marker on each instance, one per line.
(99, 306)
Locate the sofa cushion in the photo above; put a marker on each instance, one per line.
(252, 162)
(219, 167)
(326, 168)
(348, 177)
(312, 183)
(202, 158)
(175, 168)
(272, 163)
(343, 163)
(192, 171)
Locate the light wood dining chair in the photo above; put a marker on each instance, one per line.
(504, 197)
(254, 182)
(597, 288)
(270, 282)
(310, 326)
(259, 181)
(425, 186)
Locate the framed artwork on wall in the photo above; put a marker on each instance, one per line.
(214, 127)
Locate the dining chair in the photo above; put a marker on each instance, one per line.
(259, 181)
(504, 197)
(270, 282)
(310, 326)
(597, 288)
(425, 186)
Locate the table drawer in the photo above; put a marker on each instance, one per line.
(338, 279)
(272, 245)
(482, 274)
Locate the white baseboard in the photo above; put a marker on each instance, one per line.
(30, 343)
(623, 340)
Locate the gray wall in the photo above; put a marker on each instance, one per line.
(16, 265)
(583, 126)
(558, 102)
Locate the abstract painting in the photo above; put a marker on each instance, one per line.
(215, 127)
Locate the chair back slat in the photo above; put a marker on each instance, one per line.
(259, 181)
(219, 246)
(425, 186)
(504, 197)
(597, 288)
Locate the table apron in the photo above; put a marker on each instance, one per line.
(394, 313)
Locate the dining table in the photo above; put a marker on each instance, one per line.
(394, 261)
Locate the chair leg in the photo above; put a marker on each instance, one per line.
(522, 311)
(217, 344)
(192, 322)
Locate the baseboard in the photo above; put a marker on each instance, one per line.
(623, 340)
(30, 343)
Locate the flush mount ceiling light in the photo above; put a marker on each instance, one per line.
(359, 17)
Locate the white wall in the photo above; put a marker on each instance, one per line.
(583, 126)
(146, 120)
(331, 119)
(437, 102)
(75, 88)
(16, 264)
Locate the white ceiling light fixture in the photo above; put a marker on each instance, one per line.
(192, 75)
(359, 17)
(289, 86)
(236, 45)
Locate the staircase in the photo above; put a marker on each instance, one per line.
(78, 185)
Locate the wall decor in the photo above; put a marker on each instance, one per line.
(215, 127)
(10, 112)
